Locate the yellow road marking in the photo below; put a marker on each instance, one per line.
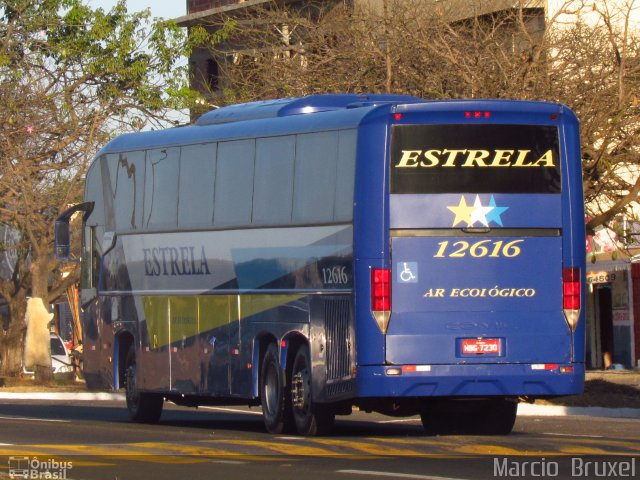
(547, 446)
(156, 452)
(628, 445)
(257, 450)
(281, 447)
(22, 450)
(493, 450)
(180, 449)
(578, 450)
(101, 450)
(370, 448)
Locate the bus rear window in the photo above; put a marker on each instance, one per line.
(475, 159)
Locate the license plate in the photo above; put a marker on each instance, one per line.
(480, 346)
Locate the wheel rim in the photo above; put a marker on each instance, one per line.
(271, 389)
(131, 388)
(300, 389)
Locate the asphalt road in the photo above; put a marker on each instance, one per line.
(83, 440)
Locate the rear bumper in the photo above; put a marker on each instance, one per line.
(469, 380)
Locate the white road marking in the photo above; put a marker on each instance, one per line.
(396, 475)
(232, 410)
(400, 420)
(36, 419)
(573, 435)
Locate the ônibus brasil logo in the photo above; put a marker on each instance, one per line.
(34, 468)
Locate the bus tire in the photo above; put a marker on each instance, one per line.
(143, 407)
(435, 421)
(310, 418)
(499, 418)
(276, 406)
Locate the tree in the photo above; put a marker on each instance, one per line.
(70, 78)
(584, 54)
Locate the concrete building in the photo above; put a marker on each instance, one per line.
(205, 68)
(613, 301)
(206, 71)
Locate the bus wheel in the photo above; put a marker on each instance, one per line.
(499, 417)
(310, 418)
(143, 407)
(470, 417)
(276, 407)
(435, 420)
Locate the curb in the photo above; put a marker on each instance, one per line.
(524, 409)
(84, 396)
(528, 409)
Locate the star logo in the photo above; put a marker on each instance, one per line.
(470, 215)
(494, 214)
(462, 212)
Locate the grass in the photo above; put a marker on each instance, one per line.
(28, 384)
(602, 393)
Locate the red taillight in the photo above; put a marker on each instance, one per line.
(571, 295)
(571, 288)
(477, 114)
(381, 297)
(380, 289)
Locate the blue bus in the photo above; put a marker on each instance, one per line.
(311, 255)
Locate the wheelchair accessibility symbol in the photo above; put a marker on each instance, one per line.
(407, 272)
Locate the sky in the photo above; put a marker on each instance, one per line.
(159, 8)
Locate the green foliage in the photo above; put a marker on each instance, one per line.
(119, 56)
(71, 77)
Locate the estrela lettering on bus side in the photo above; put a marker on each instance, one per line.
(473, 158)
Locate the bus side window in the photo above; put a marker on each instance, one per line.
(95, 261)
(86, 274)
(345, 176)
(161, 188)
(234, 176)
(273, 180)
(195, 189)
(129, 190)
(90, 266)
(315, 177)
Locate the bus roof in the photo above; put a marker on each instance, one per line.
(255, 119)
(298, 106)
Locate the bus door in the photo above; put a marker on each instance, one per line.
(183, 332)
(96, 313)
(153, 357)
(476, 245)
(215, 316)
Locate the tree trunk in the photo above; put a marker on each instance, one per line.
(37, 318)
(12, 341)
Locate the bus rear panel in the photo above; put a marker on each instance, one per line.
(479, 292)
